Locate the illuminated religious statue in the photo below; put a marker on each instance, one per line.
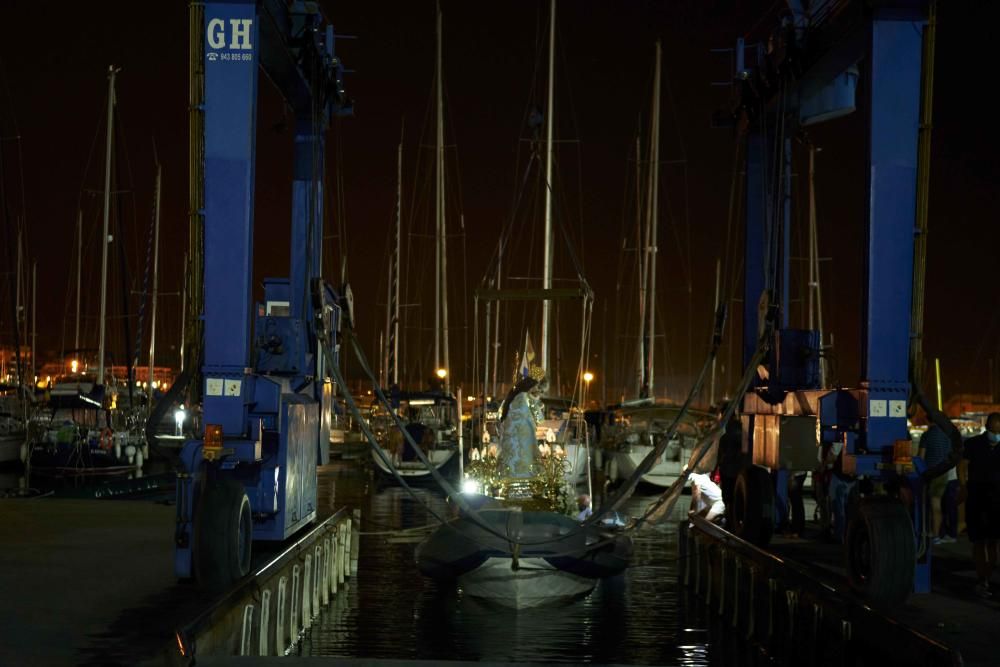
(520, 414)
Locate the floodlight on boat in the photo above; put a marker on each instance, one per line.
(442, 373)
(470, 486)
(422, 401)
(587, 377)
(179, 416)
(74, 365)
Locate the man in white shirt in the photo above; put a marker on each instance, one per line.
(706, 497)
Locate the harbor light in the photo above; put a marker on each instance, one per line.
(179, 416)
(470, 486)
(442, 373)
(588, 376)
(74, 365)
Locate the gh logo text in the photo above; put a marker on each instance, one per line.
(239, 33)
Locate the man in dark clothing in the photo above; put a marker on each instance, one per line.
(979, 477)
(731, 458)
(934, 448)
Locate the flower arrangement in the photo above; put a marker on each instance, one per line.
(548, 485)
(488, 469)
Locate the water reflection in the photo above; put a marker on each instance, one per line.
(391, 611)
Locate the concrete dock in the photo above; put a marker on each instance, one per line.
(89, 582)
(951, 613)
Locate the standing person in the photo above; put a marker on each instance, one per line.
(979, 479)
(839, 490)
(933, 449)
(731, 458)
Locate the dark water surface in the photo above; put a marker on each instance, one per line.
(391, 611)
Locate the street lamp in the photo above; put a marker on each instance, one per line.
(588, 376)
(442, 373)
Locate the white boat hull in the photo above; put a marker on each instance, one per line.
(535, 582)
(661, 475)
(576, 454)
(415, 469)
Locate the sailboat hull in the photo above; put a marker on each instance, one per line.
(413, 471)
(661, 475)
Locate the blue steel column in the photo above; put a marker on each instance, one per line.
(786, 233)
(754, 264)
(230, 127)
(307, 223)
(893, 114)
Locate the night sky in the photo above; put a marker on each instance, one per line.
(54, 58)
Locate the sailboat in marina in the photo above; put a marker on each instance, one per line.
(520, 548)
(93, 421)
(431, 417)
(641, 422)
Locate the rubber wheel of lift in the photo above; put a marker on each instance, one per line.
(751, 516)
(223, 535)
(881, 551)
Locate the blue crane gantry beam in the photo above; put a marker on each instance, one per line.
(268, 394)
(808, 74)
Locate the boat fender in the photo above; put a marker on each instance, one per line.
(514, 564)
(106, 439)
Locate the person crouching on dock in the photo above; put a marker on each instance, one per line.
(706, 497)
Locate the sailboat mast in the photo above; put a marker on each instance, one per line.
(392, 302)
(79, 257)
(496, 326)
(654, 182)
(549, 112)
(184, 293)
(18, 307)
(112, 72)
(156, 277)
(640, 255)
(34, 311)
(439, 163)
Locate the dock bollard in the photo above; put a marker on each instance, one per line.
(751, 615)
(696, 559)
(279, 621)
(247, 630)
(342, 554)
(723, 557)
(845, 641)
(306, 593)
(355, 534)
(265, 619)
(736, 591)
(792, 598)
(708, 574)
(317, 578)
(327, 563)
(686, 560)
(772, 592)
(293, 621)
(817, 620)
(335, 566)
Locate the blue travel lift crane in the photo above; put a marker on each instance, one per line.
(809, 73)
(267, 388)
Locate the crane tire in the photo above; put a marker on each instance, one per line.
(751, 517)
(223, 533)
(881, 551)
